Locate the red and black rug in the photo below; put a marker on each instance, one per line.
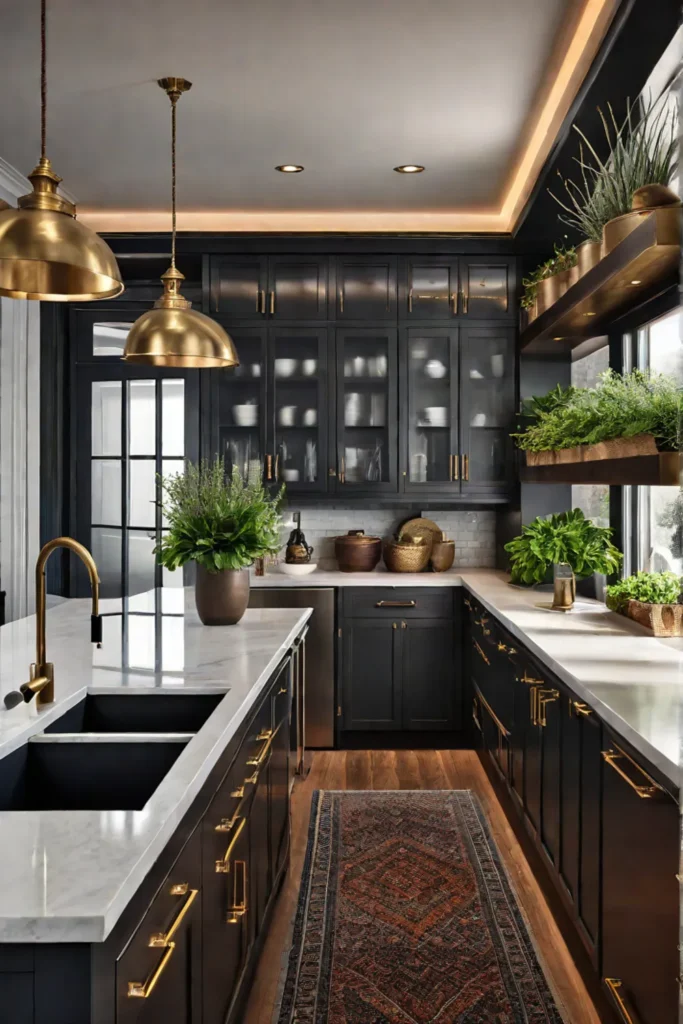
(406, 916)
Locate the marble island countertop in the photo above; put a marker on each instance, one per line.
(68, 875)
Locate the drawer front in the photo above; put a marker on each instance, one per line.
(404, 602)
(158, 967)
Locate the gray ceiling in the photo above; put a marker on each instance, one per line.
(349, 88)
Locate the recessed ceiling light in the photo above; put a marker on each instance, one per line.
(557, 339)
(589, 314)
(409, 169)
(289, 168)
(636, 282)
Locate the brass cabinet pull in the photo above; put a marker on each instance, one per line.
(258, 300)
(239, 904)
(530, 681)
(455, 464)
(544, 697)
(481, 652)
(404, 625)
(468, 603)
(645, 792)
(272, 301)
(342, 471)
(267, 735)
(577, 708)
(613, 986)
(410, 301)
(454, 300)
(492, 715)
(228, 824)
(482, 622)
(269, 467)
(223, 865)
(283, 689)
(465, 299)
(262, 293)
(393, 625)
(277, 466)
(532, 696)
(465, 467)
(164, 940)
(396, 604)
(341, 301)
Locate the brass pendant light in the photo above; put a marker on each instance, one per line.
(45, 253)
(172, 333)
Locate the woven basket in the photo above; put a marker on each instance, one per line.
(406, 557)
(662, 619)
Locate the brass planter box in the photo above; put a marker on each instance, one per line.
(663, 619)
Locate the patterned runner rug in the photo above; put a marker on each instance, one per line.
(406, 916)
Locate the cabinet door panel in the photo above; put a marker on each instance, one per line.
(297, 288)
(487, 403)
(591, 825)
(428, 677)
(279, 772)
(488, 287)
(238, 286)
(550, 716)
(261, 881)
(640, 897)
(429, 289)
(370, 698)
(430, 409)
(241, 403)
(366, 288)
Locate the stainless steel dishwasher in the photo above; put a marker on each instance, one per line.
(319, 692)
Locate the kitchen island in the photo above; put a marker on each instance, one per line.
(99, 900)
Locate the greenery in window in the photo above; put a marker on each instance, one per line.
(565, 537)
(642, 150)
(215, 520)
(671, 518)
(647, 587)
(620, 406)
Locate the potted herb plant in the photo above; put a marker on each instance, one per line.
(650, 598)
(549, 281)
(223, 525)
(565, 537)
(629, 414)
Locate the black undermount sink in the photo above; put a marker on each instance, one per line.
(85, 776)
(146, 712)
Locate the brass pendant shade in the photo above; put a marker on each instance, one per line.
(172, 333)
(45, 253)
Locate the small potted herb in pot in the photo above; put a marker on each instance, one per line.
(565, 537)
(223, 525)
(650, 598)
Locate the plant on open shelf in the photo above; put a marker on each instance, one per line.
(642, 150)
(223, 525)
(563, 258)
(642, 407)
(650, 598)
(566, 537)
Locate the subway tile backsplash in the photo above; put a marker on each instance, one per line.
(474, 533)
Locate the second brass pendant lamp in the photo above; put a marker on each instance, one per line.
(45, 253)
(172, 333)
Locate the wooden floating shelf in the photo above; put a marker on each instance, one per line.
(643, 265)
(662, 470)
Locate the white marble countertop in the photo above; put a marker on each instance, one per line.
(67, 875)
(379, 577)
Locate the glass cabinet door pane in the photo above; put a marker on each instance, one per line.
(106, 417)
(299, 410)
(142, 417)
(487, 405)
(106, 492)
(486, 292)
(430, 379)
(432, 290)
(241, 408)
(364, 415)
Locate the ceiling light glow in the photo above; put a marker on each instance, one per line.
(409, 168)
(289, 168)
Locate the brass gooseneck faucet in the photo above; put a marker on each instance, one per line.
(41, 683)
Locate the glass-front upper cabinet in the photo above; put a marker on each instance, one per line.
(367, 427)
(242, 418)
(299, 411)
(487, 407)
(366, 288)
(429, 288)
(487, 287)
(430, 427)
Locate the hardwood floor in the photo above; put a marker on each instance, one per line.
(415, 769)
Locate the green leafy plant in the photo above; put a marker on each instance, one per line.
(565, 537)
(648, 587)
(217, 521)
(620, 406)
(563, 259)
(537, 405)
(642, 151)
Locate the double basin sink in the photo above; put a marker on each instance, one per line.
(108, 752)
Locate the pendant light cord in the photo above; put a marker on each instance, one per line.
(174, 101)
(43, 78)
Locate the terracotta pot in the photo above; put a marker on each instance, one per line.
(357, 553)
(588, 255)
(221, 597)
(443, 553)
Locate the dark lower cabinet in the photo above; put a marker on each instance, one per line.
(640, 892)
(280, 773)
(370, 696)
(426, 665)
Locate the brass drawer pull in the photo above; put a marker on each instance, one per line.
(465, 472)
(272, 302)
(577, 708)
(534, 705)
(267, 735)
(481, 652)
(468, 603)
(544, 697)
(482, 622)
(493, 716)
(645, 792)
(144, 989)
(223, 866)
(530, 681)
(239, 905)
(613, 985)
(396, 604)
(410, 301)
(228, 824)
(283, 689)
(269, 467)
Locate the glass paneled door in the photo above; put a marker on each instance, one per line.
(242, 420)
(430, 358)
(141, 427)
(299, 413)
(367, 427)
(487, 406)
